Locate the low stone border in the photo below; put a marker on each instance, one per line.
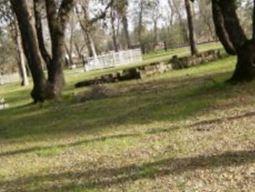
(128, 74)
(155, 68)
(200, 58)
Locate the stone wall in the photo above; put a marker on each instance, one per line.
(155, 68)
(200, 58)
(124, 75)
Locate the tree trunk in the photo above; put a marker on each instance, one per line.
(140, 25)
(85, 26)
(92, 45)
(88, 44)
(69, 52)
(244, 48)
(253, 21)
(38, 6)
(21, 59)
(220, 28)
(232, 24)
(155, 30)
(57, 20)
(245, 68)
(56, 76)
(172, 12)
(87, 39)
(79, 51)
(114, 34)
(31, 48)
(193, 47)
(126, 32)
(182, 24)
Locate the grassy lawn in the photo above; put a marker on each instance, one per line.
(180, 51)
(181, 131)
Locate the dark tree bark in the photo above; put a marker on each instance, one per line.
(253, 20)
(193, 47)
(245, 49)
(31, 47)
(38, 7)
(220, 28)
(232, 24)
(245, 67)
(57, 20)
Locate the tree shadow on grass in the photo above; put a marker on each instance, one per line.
(197, 126)
(82, 142)
(61, 146)
(107, 177)
(169, 103)
(221, 120)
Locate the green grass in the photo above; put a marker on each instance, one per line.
(184, 130)
(180, 51)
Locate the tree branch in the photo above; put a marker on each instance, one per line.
(64, 10)
(232, 24)
(220, 28)
(38, 24)
(103, 14)
(253, 21)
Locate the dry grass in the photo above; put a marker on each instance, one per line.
(182, 131)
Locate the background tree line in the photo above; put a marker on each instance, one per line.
(49, 33)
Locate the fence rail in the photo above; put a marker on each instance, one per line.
(114, 59)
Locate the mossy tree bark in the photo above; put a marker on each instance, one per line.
(244, 48)
(31, 47)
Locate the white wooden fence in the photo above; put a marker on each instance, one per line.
(114, 59)
(9, 78)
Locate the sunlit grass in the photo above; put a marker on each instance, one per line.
(184, 130)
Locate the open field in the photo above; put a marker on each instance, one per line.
(184, 130)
